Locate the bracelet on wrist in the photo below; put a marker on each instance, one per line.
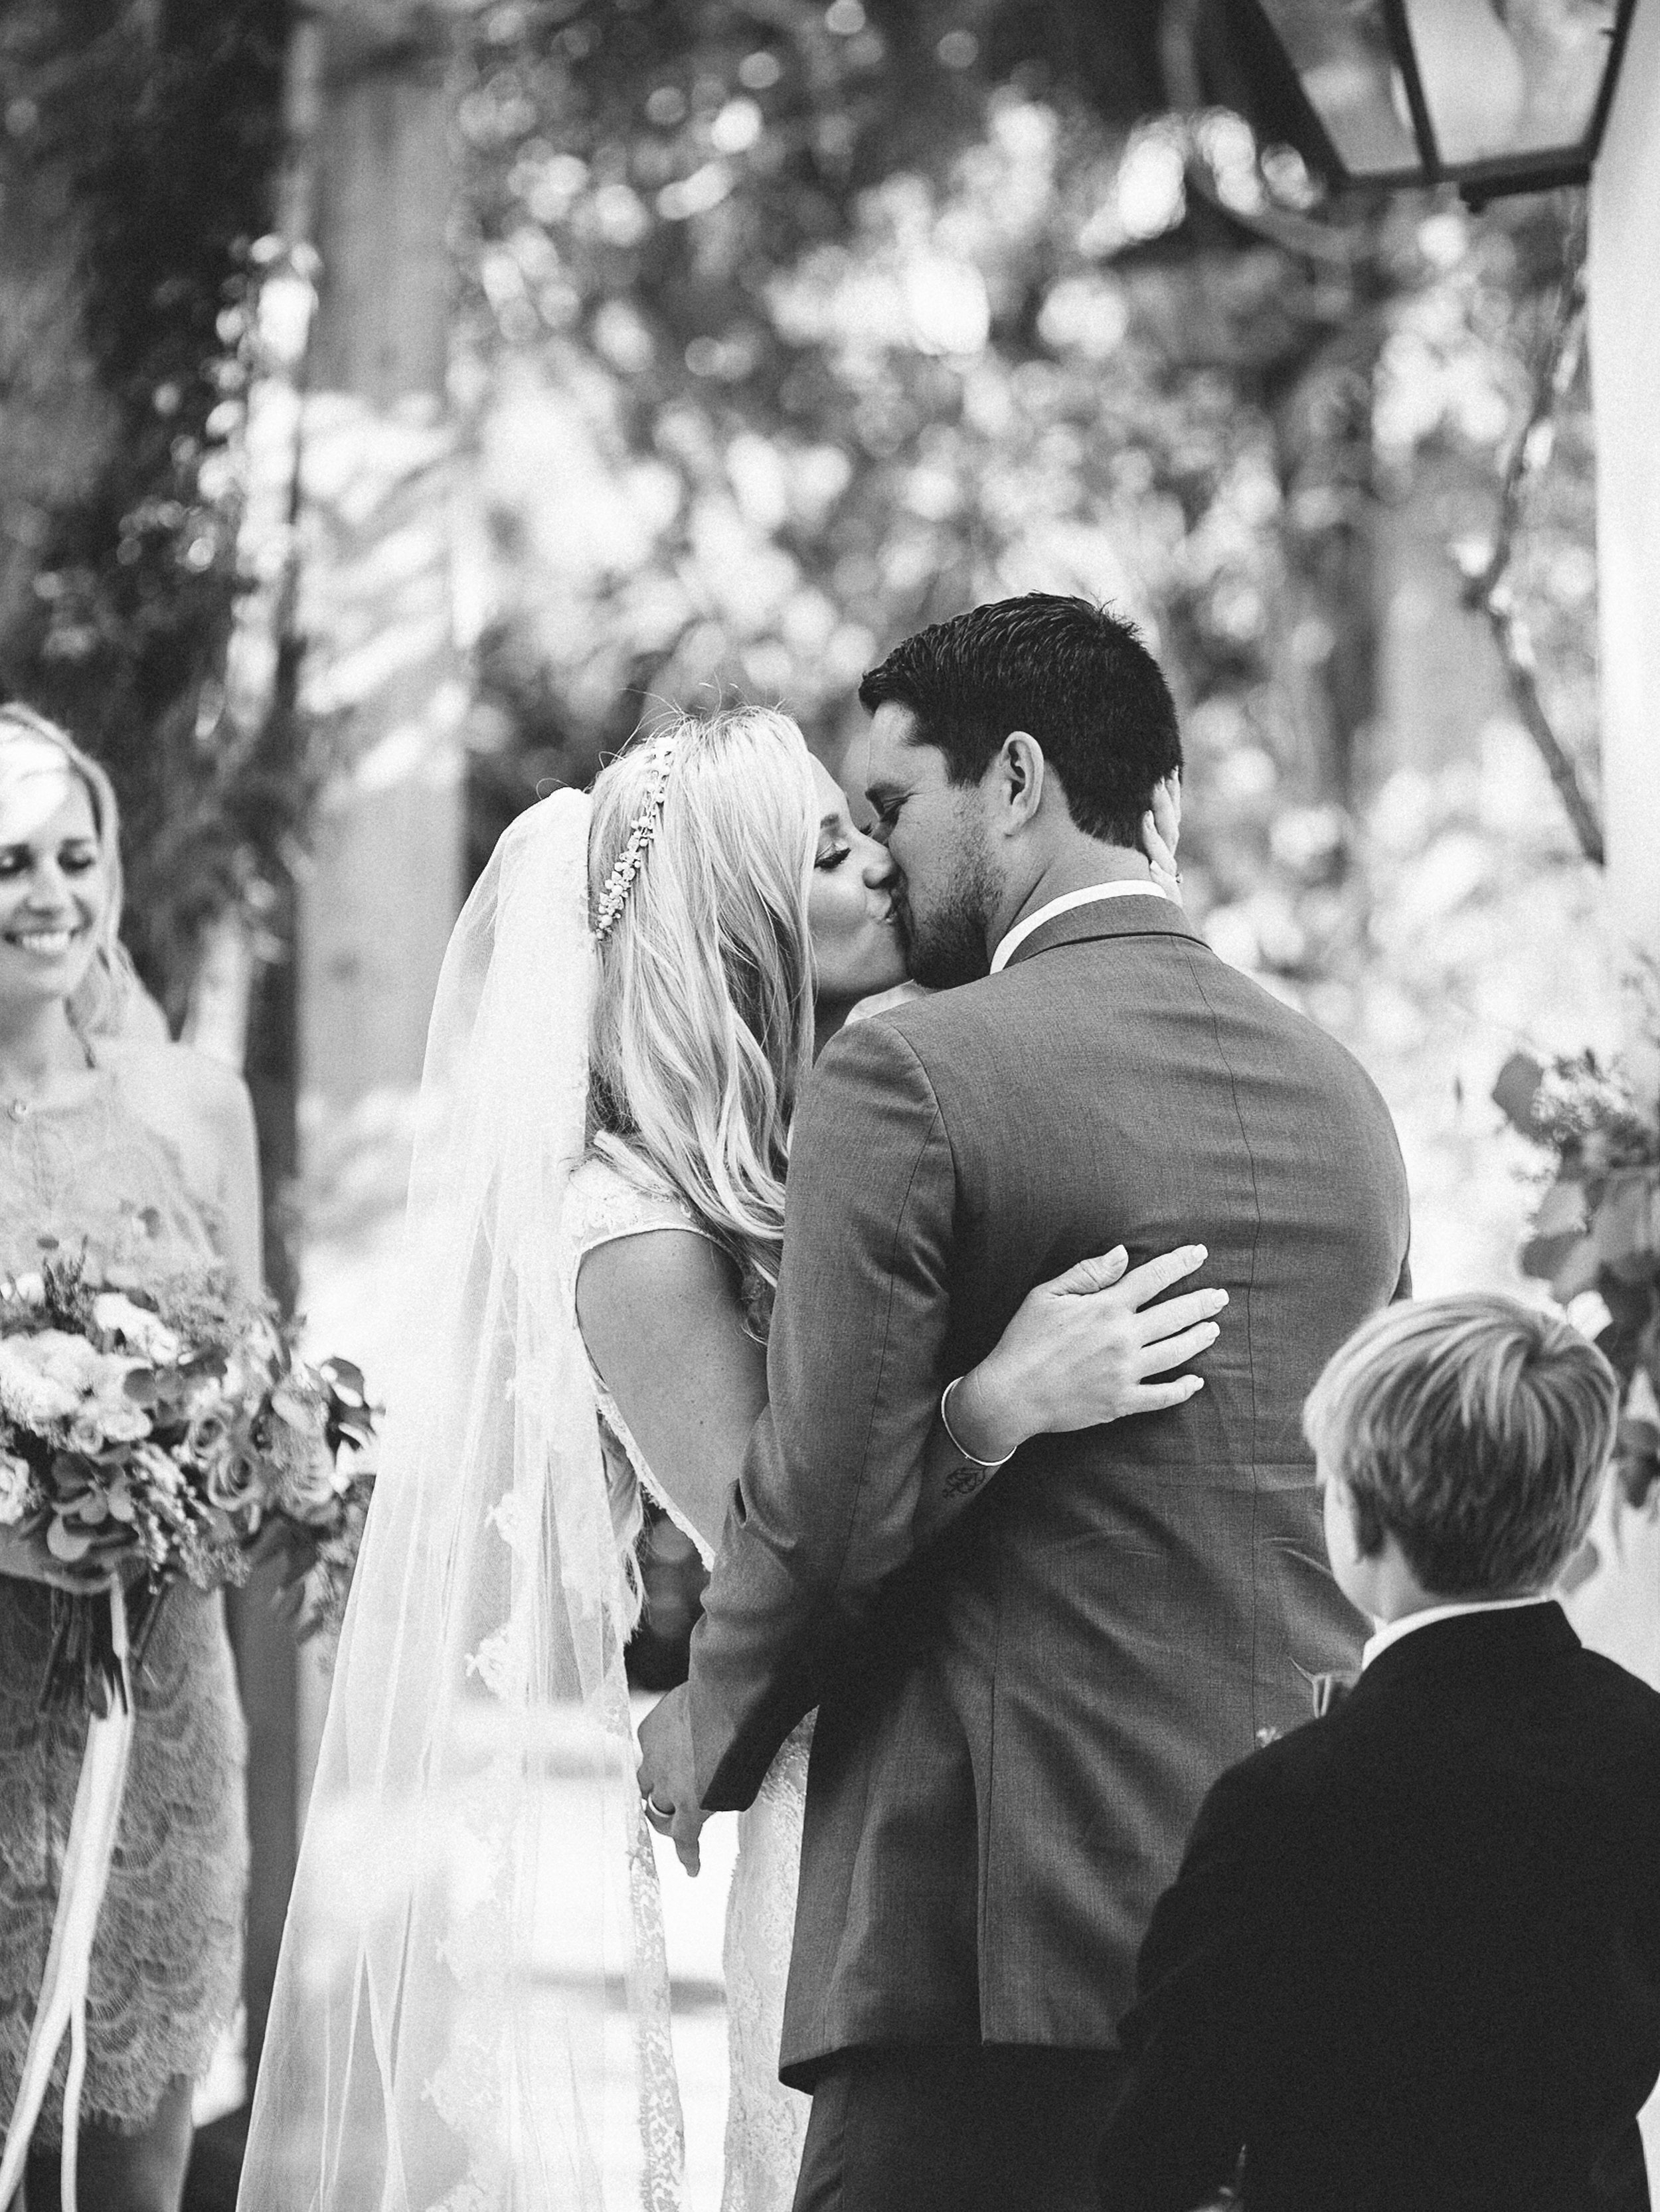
(956, 1441)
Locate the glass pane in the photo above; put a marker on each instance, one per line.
(1339, 50)
(1503, 77)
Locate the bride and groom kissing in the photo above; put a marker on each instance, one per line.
(1024, 1675)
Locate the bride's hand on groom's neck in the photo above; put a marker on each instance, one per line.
(1161, 833)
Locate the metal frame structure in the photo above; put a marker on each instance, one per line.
(1535, 169)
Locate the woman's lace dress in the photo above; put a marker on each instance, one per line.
(766, 2123)
(167, 1958)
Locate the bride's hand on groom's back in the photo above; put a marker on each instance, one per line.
(1088, 1347)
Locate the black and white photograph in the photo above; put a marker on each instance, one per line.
(830, 1105)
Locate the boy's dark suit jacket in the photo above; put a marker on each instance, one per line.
(1015, 1729)
(1413, 1957)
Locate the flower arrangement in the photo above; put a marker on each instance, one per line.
(164, 1433)
(1596, 1231)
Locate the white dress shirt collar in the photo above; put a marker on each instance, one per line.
(1024, 928)
(1393, 1630)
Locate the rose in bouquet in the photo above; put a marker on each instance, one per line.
(162, 1433)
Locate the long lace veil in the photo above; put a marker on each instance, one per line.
(470, 2011)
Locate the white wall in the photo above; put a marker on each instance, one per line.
(1624, 1615)
(1625, 368)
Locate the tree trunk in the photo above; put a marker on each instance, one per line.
(364, 625)
(381, 685)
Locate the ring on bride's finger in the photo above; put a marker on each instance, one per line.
(660, 1818)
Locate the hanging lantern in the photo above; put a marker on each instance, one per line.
(1495, 96)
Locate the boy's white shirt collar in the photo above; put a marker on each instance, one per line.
(1023, 929)
(1393, 1630)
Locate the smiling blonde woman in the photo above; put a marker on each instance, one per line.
(143, 1155)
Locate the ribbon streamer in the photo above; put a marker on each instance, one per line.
(62, 2003)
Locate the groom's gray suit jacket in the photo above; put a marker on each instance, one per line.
(1016, 1726)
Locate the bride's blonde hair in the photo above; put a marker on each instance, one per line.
(99, 1005)
(702, 1018)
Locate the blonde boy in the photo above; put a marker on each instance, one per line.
(1412, 1959)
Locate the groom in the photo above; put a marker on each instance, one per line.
(1015, 1727)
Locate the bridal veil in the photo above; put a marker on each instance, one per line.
(471, 2009)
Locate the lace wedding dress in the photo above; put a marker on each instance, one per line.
(766, 2123)
(166, 1957)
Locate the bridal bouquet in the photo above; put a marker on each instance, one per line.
(165, 1433)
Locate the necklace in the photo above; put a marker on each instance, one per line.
(18, 1104)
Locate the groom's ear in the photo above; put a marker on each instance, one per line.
(1017, 776)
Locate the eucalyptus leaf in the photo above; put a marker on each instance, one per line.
(1516, 1093)
(1562, 1209)
(1579, 1271)
(1619, 1226)
(1542, 1256)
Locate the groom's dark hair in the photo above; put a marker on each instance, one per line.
(1075, 677)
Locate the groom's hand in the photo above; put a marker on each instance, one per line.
(667, 1778)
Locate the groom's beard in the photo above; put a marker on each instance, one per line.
(946, 946)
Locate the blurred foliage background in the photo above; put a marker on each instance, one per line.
(136, 156)
(781, 329)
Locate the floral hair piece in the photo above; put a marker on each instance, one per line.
(629, 861)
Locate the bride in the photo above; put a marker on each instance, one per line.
(471, 2007)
